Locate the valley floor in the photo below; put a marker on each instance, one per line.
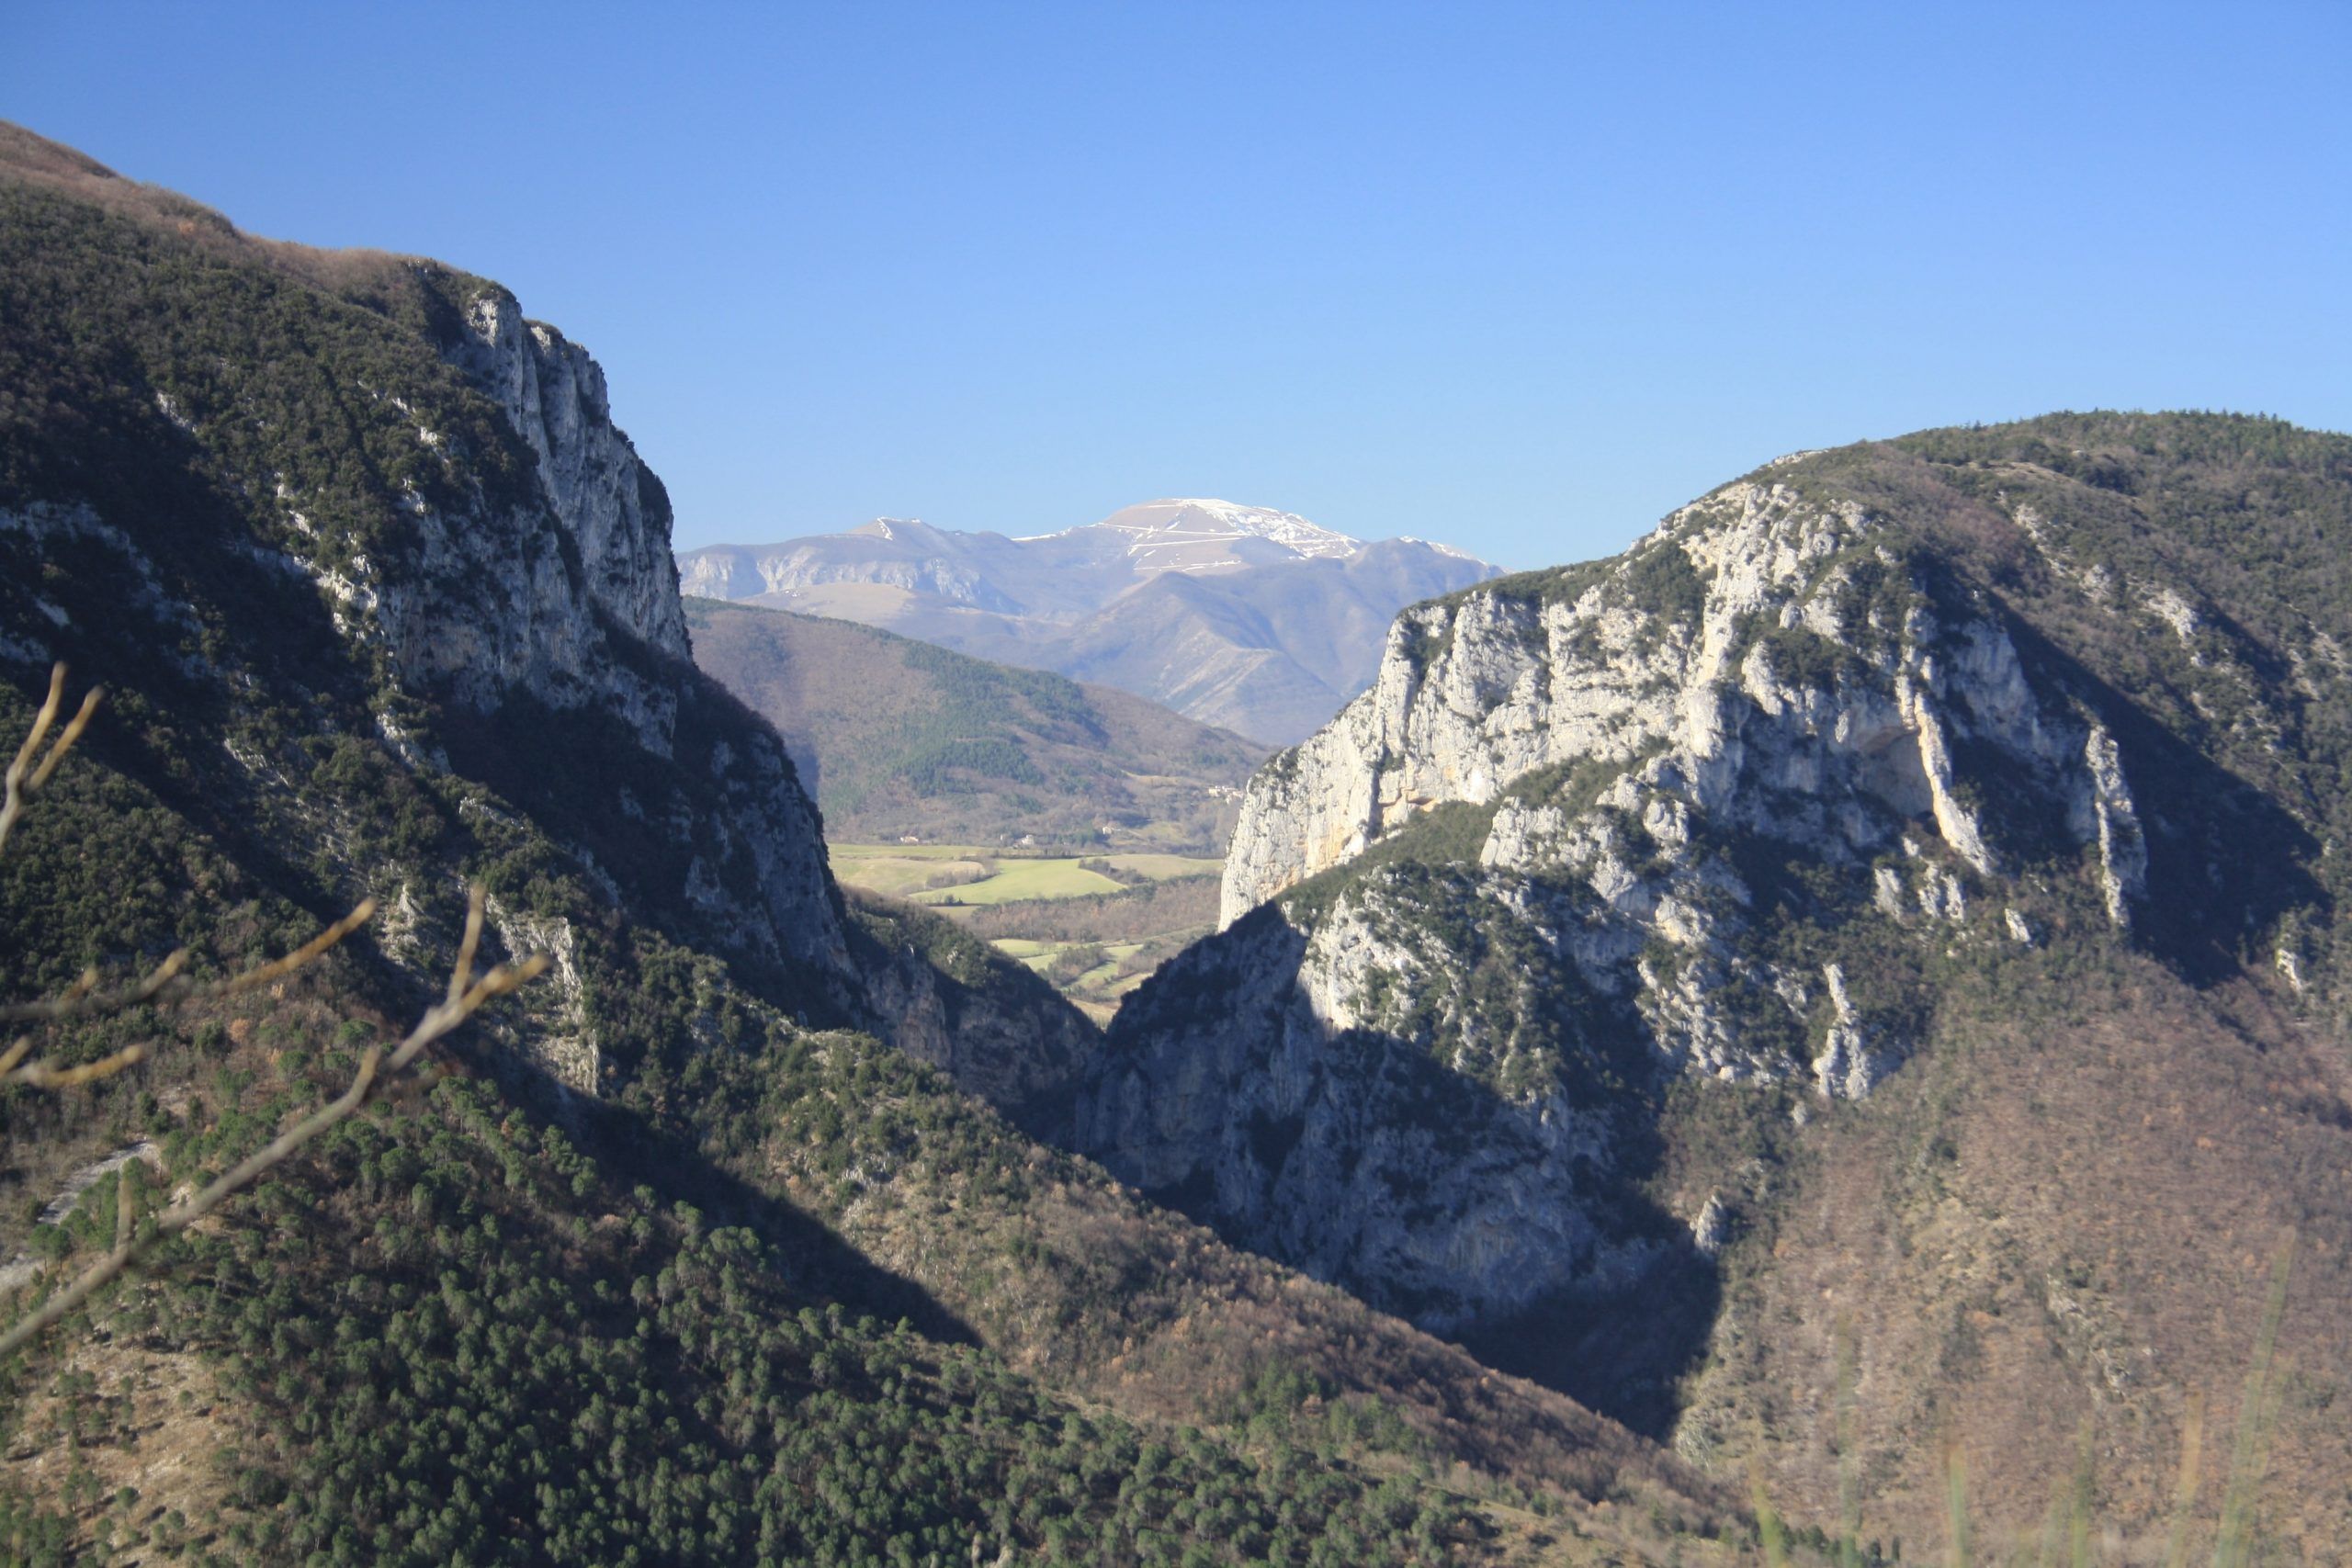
(1095, 927)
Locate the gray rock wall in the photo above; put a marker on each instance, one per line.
(1413, 1073)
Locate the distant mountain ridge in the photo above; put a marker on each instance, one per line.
(894, 737)
(1243, 617)
(1183, 534)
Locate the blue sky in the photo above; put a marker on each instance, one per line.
(1517, 278)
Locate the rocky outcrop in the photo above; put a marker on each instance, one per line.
(954, 1003)
(496, 593)
(566, 1043)
(608, 501)
(568, 596)
(1762, 669)
(587, 615)
(1706, 809)
(1758, 647)
(1239, 1087)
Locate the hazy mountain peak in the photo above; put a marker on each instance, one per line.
(1256, 620)
(1197, 533)
(1442, 550)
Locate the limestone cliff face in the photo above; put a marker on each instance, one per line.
(557, 605)
(496, 598)
(574, 601)
(587, 616)
(606, 499)
(1236, 1088)
(366, 497)
(1761, 670)
(1714, 807)
(1756, 648)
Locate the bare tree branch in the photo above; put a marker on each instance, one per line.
(162, 984)
(42, 1074)
(367, 1084)
(31, 769)
(360, 915)
(85, 998)
(165, 986)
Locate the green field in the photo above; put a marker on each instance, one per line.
(904, 876)
(953, 875)
(1022, 882)
(1111, 949)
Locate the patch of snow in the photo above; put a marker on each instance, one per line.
(1199, 520)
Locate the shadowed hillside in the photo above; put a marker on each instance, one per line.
(896, 738)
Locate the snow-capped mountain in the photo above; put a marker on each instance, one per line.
(1244, 617)
(1200, 535)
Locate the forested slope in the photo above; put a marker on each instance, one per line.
(382, 605)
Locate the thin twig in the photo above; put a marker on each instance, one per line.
(41, 721)
(159, 988)
(281, 967)
(461, 973)
(368, 1082)
(81, 1002)
(74, 727)
(42, 1074)
(31, 769)
(163, 985)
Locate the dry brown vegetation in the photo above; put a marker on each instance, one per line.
(41, 161)
(128, 1435)
(2047, 1246)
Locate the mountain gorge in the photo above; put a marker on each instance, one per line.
(1240, 617)
(1832, 1014)
(744, 1233)
(1850, 980)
